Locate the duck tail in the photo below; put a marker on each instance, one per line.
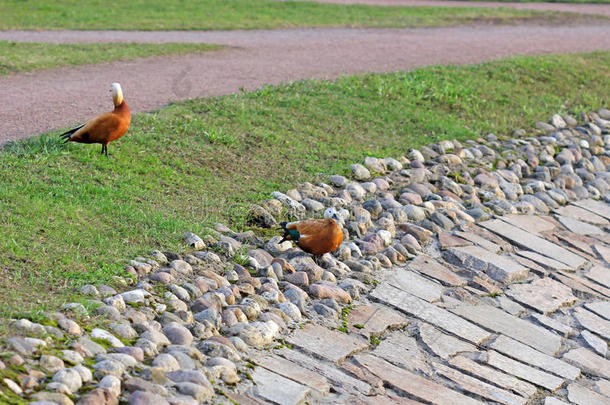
(68, 134)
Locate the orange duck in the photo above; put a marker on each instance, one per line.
(315, 236)
(105, 128)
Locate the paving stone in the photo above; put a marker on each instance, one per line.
(415, 385)
(494, 376)
(579, 227)
(596, 343)
(328, 344)
(526, 354)
(478, 387)
(403, 351)
(342, 382)
(441, 344)
(550, 323)
(415, 284)
(603, 252)
(599, 274)
(530, 223)
(580, 395)
(603, 386)
(601, 308)
(510, 306)
(533, 266)
(523, 371)
(480, 241)
(439, 317)
(517, 328)
(374, 320)
(547, 262)
(533, 242)
(580, 242)
(554, 401)
(277, 389)
(544, 295)
(500, 268)
(431, 268)
(384, 400)
(447, 240)
(589, 362)
(592, 322)
(597, 207)
(294, 372)
(582, 214)
(582, 285)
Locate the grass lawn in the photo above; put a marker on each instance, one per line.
(27, 57)
(69, 216)
(239, 14)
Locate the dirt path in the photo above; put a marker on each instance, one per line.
(32, 103)
(598, 9)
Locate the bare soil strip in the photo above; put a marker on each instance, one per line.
(32, 103)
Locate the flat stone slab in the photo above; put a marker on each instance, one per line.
(582, 214)
(479, 240)
(441, 344)
(415, 385)
(554, 401)
(374, 320)
(494, 376)
(526, 354)
(592, 322)
(430, 313)
(597, 207)
(402, 350)
(499, 321)
(328, 344)
(599, 274)
(579, 227)
(523, 371)
(579, 242)
(478, 387)
(275, 388)
(293, 371)
(543, 260)
(601, 308)
(533, 242)
(580, 395)
(446, 240)
(550, 323)
(589, 362)
(603, 252)
(415, 284)
(545, 295)
(341, 381)
(529, 223)
(500, 268)
(583, 285)
(431, 268)
(596, 343)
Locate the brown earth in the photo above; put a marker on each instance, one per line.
(31, 103)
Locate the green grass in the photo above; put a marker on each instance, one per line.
(238, 14)
(69, 216)
(27, 57)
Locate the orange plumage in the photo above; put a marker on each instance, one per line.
(105, 128)
(316, 236)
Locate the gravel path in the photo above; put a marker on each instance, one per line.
(599, 9)
(31, 103)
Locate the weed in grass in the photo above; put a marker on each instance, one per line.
(69, 217)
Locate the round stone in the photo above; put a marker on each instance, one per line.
(178, 334)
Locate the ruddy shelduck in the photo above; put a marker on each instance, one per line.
(105, 128)
(315, 236)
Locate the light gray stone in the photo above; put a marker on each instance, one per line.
(544, 261)
(317, 339)
(70, 378)
(592, 322)
(438, 317)
(582, 214)
(530, 241)
(550, 323)
(544, 295)
(599, 274)
(580, 395)
(277, 389)
(500, 268)
(517, 328)
(589, 362)
(597, 207)
(102, 334)
(601, 308)
(523, 371)
(402, 350)
(441, 344)
(415, 284)
(597, 344)
(526, 354)
(579, 227)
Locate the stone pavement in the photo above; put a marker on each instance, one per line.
(475, 273)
